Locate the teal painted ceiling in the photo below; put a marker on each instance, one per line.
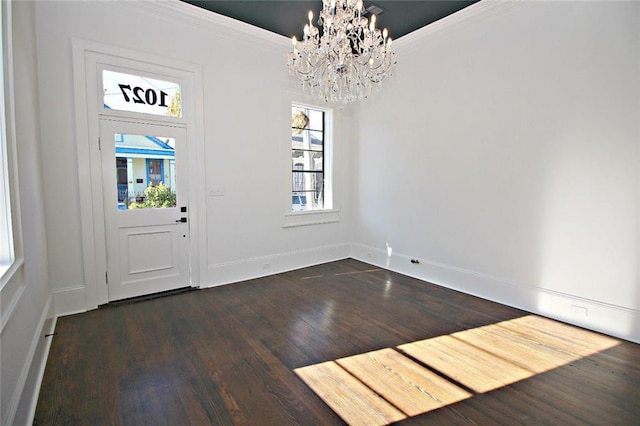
(288, 17)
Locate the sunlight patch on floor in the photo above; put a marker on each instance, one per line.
(404, 383)
(351, 399)
(379, 387)
(388, 385)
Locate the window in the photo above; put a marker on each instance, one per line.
(6, 234)
(122, 178)
(310, 197)
(308, 137)
(145, 171)
(155, 172)
(137, 93)
(7, 249)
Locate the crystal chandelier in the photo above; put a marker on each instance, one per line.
(348, 60)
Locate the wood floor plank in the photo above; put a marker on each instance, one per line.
(407, 385)
(467, 364)
(356, 403)
(390, 349)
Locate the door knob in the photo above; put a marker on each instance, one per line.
(182, 219)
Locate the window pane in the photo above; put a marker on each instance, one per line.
(297, 158)
(299, 119)
(317, 161)
(307, 160)
(316, 119)
(301, 200)
(308, 182)
(136, 93)
(145, 171)
(316, 141)
(6, 226)
(6, 232)
(307, 140)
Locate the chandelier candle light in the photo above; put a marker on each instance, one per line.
(348, 60)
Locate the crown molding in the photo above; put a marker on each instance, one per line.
(452, 23)
(223, 26)
(211, 22)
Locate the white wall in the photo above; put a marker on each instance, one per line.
(245, 91)
(26, 298)
(505, 158)
(504, 155)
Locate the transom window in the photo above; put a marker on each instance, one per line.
(138, 93)
(308, 149)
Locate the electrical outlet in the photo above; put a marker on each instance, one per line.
(216, 191)
(579, 311)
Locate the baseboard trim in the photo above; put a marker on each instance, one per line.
(33, 403)
(24, 400)
(246, 269)
(70, 300)
(614, 320)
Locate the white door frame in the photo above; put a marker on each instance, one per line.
(88, 60)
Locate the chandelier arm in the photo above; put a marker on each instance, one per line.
(349, 60)
(378, 66)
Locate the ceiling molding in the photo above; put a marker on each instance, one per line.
(221, 25)
(210, 22)
(451, 23)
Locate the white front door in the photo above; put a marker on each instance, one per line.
(145, 206)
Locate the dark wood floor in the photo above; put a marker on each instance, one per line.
(340, 342)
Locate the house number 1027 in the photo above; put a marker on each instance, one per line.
(142, 96)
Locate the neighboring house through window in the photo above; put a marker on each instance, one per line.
(143, 161)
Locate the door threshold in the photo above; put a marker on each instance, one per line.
(146, 297)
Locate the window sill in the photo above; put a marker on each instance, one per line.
(8, 271)
(312, 217)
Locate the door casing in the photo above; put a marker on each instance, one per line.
(89, 58)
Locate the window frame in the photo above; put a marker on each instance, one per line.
(304, 174)
(9, 200)
(328, 213)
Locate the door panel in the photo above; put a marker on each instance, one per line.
(146, 226)
(134, 253)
